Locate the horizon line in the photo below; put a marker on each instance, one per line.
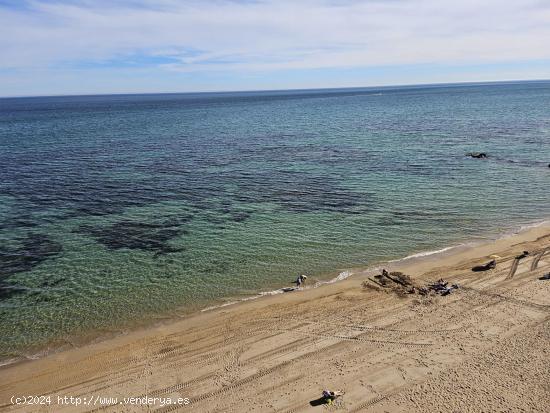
(459, 83)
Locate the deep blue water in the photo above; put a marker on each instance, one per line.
(117, 209)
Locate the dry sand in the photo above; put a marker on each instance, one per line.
(484, 348)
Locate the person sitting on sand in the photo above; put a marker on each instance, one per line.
(330, 396)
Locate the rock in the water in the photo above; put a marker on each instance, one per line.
(478, 155)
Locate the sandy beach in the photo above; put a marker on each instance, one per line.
(484, 347)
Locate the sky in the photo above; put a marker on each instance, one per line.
(57, 47)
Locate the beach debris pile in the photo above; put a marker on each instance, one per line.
(441, 287)
(395, 281)
(403, 284)
(522, 255)
(386, 278)
(491, 265)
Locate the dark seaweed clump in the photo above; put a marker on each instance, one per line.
(34, 249)
(240, 216)
(136, 236)
(301, 194)
(8, 290)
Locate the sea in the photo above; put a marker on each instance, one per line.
(117, 211)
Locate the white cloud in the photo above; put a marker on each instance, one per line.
(271, 35)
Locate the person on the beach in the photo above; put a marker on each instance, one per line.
(330, 396)
(301, 280)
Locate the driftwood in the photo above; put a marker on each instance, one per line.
(400, 278)
(378, 282)
(397, 282)
(402, 284)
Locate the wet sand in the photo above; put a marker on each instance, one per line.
(484, 347)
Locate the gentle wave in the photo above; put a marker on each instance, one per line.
(522, 228)
(428, 253)
(24, 357)
(534, 225)
(7, 362)
(509, 233)
(340, 277)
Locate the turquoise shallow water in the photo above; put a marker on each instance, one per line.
(117, 209)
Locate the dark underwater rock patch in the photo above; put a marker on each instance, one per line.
(88, 183)
(51, 283)
(317, 199)
(300, 194)
(33, 250)
(21, 221)
(240, 216)
(91, 184)
(152, 237)
(477, 155)
(8, 291)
